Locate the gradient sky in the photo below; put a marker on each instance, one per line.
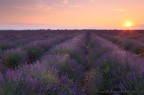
(99, 14)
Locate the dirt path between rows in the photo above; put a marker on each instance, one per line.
(89, 71)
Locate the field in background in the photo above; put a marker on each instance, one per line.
(72, 62)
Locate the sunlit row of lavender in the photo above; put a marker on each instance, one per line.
(71, 62)
(132, 41)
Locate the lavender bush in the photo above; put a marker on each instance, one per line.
(6, 45)
(13, 58)
(33, 53)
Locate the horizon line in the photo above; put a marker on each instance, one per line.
(64, 29)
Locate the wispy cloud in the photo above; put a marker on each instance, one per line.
(119, 10)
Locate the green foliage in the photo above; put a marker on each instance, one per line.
(64, 89)
(34, 53)
(60, 52)
(97, 54)
(66, 69)
(4, 47)
(139, 51)
(72, 54)
(117, 41)
(10, 89)
(128, 45)
(12, 60)
(45, 77)
(76, 56)
(106, 76)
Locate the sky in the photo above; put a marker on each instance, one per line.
(71, 14)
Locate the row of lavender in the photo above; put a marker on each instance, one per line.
(14, 39)
(134, 45)
(114, 70)
(31, 51)
(130, 34)
(58, 72)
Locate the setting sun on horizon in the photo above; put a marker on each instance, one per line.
(128, 24)
(71, 14)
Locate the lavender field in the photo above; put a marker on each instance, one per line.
(71, 62)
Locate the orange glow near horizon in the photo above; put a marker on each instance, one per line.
(98, 14)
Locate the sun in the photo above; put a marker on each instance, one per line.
(128, 24)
